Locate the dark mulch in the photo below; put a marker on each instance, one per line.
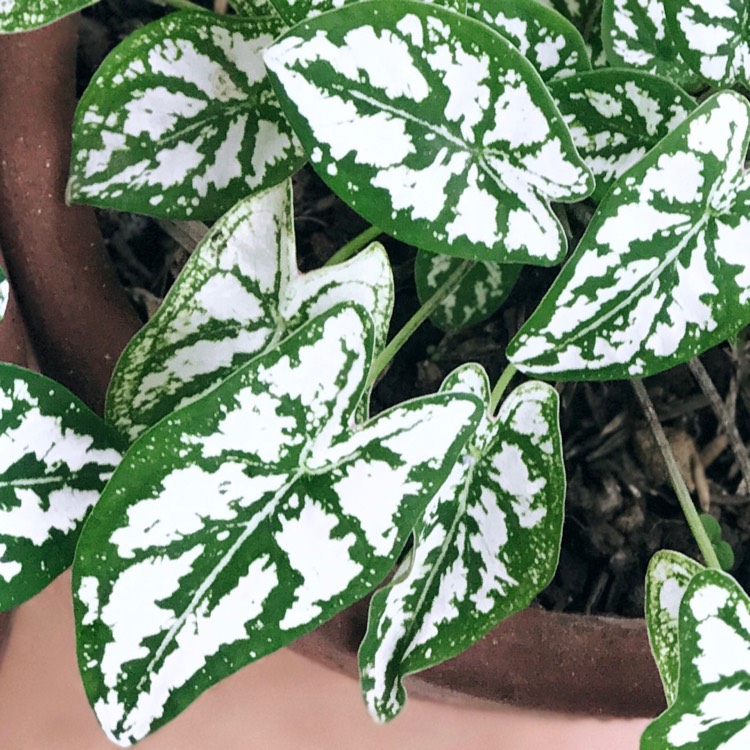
(620, 509)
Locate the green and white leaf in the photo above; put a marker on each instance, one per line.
(587, 18)
(478, 295)
(4, 294)
(663, 272)
(617, 116)
(712, 708)
(713, 38)
(24, 15)
(550, 42)
(251, 8)
(667, 579)
(246, 519)
(237, 297)
(487, 544)
(636, 35)
(55, 458)
(180, 120)
(433, 127)
(296, 11)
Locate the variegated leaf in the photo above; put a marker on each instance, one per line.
(296, 11)
(636, 35)
(667, 578)
(249, 517)
(24, 15)
(252, 8)
(488, 542)
(55, 458)
(586, 16)
(663, 272)
(4, 294)
(712, 37)
(180, 120)
(616, 116)
(238, 296)
(712, 708)
(550, 42)
(433, 127)
(479, 294)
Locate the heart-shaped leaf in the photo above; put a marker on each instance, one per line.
(636, 35)
(4, 294)
(712, 708)
(663, 272)
(24, 15)
(488, 542)
(478, 295)
(617, 116)
(249, 517)
(55, 458)
(667, 579)
(712, 37)
(238, 296)
(550, 42)
(180, 120)
(433, 127)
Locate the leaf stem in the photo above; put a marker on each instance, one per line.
(181, 5)
(500, 386)
(416, 320)
(678, 483)
(726, 419)
(354, 246)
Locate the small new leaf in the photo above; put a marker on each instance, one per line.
(662, 273)
(238, 296)
(180, 120)
(244, 520)
(24, 15)
(433, 127)
(617, 116)
(478, 295)
(712, 708)
(667, 578)
(55, 458)
(488, 542)
(636, 35)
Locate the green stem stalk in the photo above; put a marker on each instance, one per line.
(416, 320)
(500, 386)
(678, 483)
(354, 246)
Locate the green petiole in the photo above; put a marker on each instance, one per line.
(678, 483)
(354, 246)
(416, 320)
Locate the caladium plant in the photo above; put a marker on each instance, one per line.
(257, 497)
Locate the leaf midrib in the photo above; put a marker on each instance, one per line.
(638, 289)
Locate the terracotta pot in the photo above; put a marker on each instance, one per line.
(588, 665)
